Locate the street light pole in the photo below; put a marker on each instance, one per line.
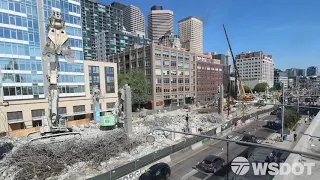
(283, 106)
(227, 157)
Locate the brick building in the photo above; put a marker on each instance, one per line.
(209, 77)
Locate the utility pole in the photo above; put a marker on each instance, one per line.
(298, 109)
(227, 157)
(282, 117)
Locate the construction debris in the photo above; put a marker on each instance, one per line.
(94, 152)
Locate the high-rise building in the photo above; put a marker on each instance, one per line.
(133, 18)
(112, 42)
(292, 72)
(160, 21)
(191, 29)
(281, 77)
(312, 71)
(255, 67)
(98, 17)
(23, 35)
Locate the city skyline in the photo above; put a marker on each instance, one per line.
(297, 34)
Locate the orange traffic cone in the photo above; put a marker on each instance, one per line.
(222, 150)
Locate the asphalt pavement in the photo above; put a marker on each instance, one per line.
(182, 167)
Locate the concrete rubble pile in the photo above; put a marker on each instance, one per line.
(94, 151)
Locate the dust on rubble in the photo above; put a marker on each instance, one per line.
(94, 151)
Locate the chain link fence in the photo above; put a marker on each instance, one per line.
(128, 169)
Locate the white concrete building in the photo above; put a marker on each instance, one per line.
(133, 19)
(255, 67)
(191, 29)
(160, 21)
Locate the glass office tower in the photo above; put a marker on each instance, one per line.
(22, 36)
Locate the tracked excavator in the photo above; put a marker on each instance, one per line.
(57, 45)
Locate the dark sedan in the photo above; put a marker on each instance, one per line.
(248, 138)
(160, 171)
(211, 164)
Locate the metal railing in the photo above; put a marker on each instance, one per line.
(128, 169)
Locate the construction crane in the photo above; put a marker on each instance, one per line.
(243, 95)
(57, 45)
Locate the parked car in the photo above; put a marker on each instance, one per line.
(211, 164)
(159, 171)
(249, 138)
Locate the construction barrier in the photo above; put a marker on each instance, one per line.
(25, 132)
(135, 166)
(78, 122)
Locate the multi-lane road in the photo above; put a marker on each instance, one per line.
(182, 167)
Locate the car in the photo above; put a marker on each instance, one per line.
(211, 164)
(159, 171)
(248, 138)
(274, 112)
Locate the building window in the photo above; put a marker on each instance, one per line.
(180, 56)
(94, 77)
(62, 110)
(37, 114)
(174, 63)
(158, 71)
(110, 105)
(109, 73)
(180, 64)
(180, 80)
(14, 117)
(158, 62)
(173, 72)
(173, 80)
(148, 71)
(173, 55)
(158, 89)
(157, 52)
(148, 63)
(166, 80)
(158, 80)
(186, 65)
(79, 109)
(166, 63)
(166, 54)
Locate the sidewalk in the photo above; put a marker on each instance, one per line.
(289, 143)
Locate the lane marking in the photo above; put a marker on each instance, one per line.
(205, 148)
(185, 177)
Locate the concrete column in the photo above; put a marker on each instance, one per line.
(220, 102)
(128, 110)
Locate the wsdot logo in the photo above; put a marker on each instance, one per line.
(240, 166)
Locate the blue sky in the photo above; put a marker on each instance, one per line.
(287, 29)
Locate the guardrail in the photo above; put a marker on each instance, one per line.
(157, 155)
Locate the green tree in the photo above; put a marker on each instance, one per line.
(291, 117)
(137, 80)
(247, 89)
(260, 87)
